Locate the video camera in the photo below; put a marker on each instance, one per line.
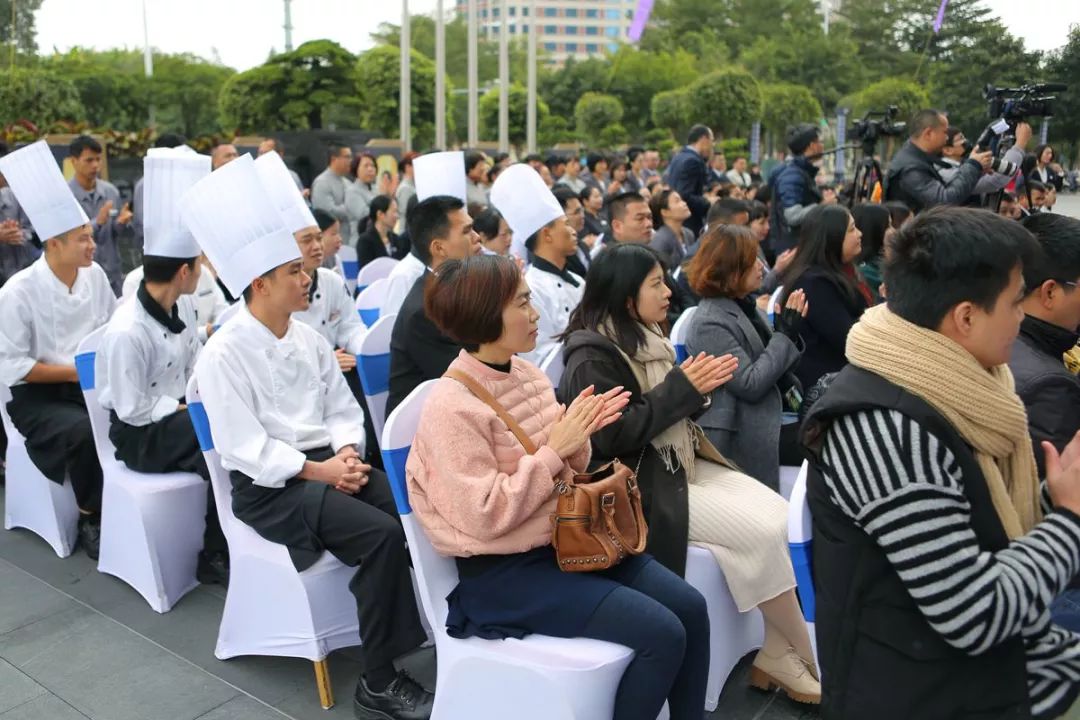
(877, 124)
(1014, 105)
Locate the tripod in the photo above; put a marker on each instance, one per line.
(867, 175)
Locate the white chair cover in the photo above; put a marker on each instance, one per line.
(369, 301)
(679, 331)
(270, 608)
(536, 678)
(553, 365)
(800, 542)
(377, 269)
(373, 364)
(348, 266)
(31, 500)
(788, 475)
(151, 523)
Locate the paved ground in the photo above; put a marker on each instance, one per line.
(76, 644)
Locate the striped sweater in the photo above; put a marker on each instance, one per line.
(903, 487)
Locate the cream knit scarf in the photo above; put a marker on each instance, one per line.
(650, 365)
(982, 405)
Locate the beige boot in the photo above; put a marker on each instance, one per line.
(790, 673)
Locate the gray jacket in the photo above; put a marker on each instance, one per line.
(743, 421)
(328, 194)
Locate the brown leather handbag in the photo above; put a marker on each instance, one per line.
(598, 520)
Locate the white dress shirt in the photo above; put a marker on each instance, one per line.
(332, 312)
(43, 321)
(268, 399)
(142, 367)
(554, 298)
(399, 282)
(207, 303)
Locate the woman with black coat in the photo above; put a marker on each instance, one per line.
(380, 240)
(690, 493)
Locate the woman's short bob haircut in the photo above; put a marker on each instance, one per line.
(726, 254)
(465, 298)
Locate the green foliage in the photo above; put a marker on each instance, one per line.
(554, 130)
(786, 104)
(594, 112)
(564, 87)
(1063, 65)
(728, 100)
(23, 26)
(38, 96)
(636, 76)
(732, 147)
(518, 99)
(909, 97)
(378, 79)
(671, 111)
(612, 136)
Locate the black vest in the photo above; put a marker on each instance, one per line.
(879, 656)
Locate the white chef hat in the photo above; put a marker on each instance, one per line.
(282, 190)
(44, 195)
(167, 174)
(524, 201)
(441, 173)
(237, 225)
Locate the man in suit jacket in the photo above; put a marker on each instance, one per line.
(441, 230)
(689, 174)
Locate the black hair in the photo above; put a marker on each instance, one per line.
(758, 209)
(3, 148)
(633, 153)
(764, 194)
(615, 277)
(586, 191)
(1059, 249)
(873, 221)
(555, 160)
(486, 223)
(1039, 151)
(334, 149)
(950, 255)
(160, 269)
(564, 195)
(171, 140)
(324, 219)
(595, 159)
(533, 157)
(1034, 185)
(83, 143)
(430, 220)
(696, 133)
(950, 135)
(899, 211)
(821, 249)
(472, 159)
(379, 204)
(658, 203)
(617, 205)
(724, 210)
(247, 291)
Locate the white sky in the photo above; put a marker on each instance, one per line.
(241, 33)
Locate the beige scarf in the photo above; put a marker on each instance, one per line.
(983, 406)
(651, 364)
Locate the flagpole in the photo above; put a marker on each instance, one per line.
(405, 90)
(440, 76)
(530, 123)
(148, 57)
(504, 77)
(474, 135)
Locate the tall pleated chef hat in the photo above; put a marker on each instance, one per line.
(168, 173)
(282, 190)
(441, 173)
(524, 201)
(237, 225)
(34, 176)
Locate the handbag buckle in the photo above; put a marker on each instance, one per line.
(607, 500)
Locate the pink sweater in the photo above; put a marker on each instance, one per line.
(471, 485)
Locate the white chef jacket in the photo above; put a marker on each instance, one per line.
(141, 367)
(41, 320)
(554, 299)
(208, 302)
(270, 399)
(332, 312)
(400, 282)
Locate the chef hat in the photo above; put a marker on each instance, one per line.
(441, 173)
(522, 198)
(44, 195)
(168, 173)
(237, 225)
(282, 191)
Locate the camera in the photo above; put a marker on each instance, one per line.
(1013, 105)
(878, 124)
(998, 164)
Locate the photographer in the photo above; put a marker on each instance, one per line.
(914, 176)
(957, 148)
(795, 191)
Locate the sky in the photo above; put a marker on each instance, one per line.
(242, 33)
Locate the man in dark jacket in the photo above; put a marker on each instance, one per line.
(688, 174)
(1050, 392)
(914, 176)
(795, 191)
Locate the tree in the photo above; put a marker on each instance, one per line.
(554, 130)
(378, 80)
(594, 112)
(671, 110)
(565, 86)
(24, 32)
(728, 101)
(636, 76)
(185, 90)
(909, 97)
(518, 106)
(1061, 65)
(786, 104)
(38, 96)
(828, 65)
(114, 92)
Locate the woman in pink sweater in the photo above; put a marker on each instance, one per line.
(484, 501)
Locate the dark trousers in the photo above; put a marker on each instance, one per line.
(665, 622)
(59, 439)
(362, 531)
(168, 445)
(372, 456)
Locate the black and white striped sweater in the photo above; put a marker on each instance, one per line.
(902, 487)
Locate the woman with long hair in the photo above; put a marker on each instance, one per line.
(690, 492)
(493, 231)
(875, 223)
(824, 269)
(1046, 170)
(670, 212)
(485, 501)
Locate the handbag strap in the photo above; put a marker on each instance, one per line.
(482, 394)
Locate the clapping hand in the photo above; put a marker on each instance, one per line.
(587, 414)
(708, 372)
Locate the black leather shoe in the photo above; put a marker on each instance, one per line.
(213, 568)
(90, 536)
(403, 699)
